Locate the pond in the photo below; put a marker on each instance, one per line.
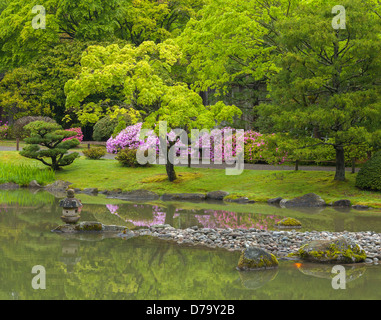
(149, 269)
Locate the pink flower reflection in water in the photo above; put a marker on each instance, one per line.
(113, 209)
(158, 218)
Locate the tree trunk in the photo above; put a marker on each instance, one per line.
(340, 164)
(170, 171)
(54, 166)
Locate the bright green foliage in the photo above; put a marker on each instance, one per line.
(137, 75)
(19, 42)
(328, 86)
(24, 174)
(148, 20)
(226, 43)
(50, 136)
(3, 5)
(142, 74)
(82, 20)
(95, 153)
(134, 21)
(369, 177)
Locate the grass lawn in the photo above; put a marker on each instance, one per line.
(256, 185)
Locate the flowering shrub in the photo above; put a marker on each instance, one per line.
(4, 130)
(256, 146)
(79, 135)
(126, 139)
(129, 139)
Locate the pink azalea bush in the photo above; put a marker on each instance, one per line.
(79, 135)
(4, 129)
(129, 138)
(256, 148)
(126, 139)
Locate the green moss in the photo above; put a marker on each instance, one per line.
(289, 222)
(89, 227)
(336, 252)
(262, 263)
(234, 196)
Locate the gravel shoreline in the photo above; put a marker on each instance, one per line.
(280, 243)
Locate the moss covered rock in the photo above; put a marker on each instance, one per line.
(237, 198)
(289, 223)
(339, 250)
(254, 258)
(90, 226)
(308, 200)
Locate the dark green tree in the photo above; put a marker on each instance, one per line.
(328, 86)
(50, 136)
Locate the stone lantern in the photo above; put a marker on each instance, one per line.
(70, 205)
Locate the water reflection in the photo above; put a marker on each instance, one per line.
(147, 268)
(256, 279)
(324, 271)
(70, 254)
(255, 216)
(150, 215)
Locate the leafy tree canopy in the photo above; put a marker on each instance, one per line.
(231, 40)
(134, 21)
(329, 85)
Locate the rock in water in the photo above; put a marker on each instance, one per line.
(290, 223)
(254, 258)
(9, 186)
(340, 250)
(183, 196)
(342, 203)
(308, 200)
(34, 185)
(90, 226)
(217, 195)
(275, 201)
(58, 185)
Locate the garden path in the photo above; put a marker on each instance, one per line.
(247, 166)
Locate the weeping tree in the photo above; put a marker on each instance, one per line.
(46, 141)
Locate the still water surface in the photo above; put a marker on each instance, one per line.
(146, 268)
